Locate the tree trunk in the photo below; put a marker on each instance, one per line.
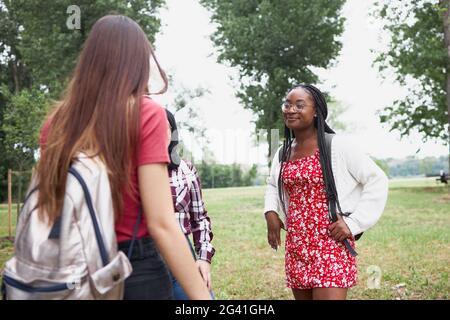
(446, 4)
(15, 73)
(19, 192)
(9, 203)
(448, 111)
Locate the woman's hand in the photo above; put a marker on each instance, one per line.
(274, 226)
(205, 270)
(339, 230)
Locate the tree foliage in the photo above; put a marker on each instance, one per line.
(37, 55)
(43, 44)
(21, 134)
(412, 166)
(275, 44)
(418, 57)
(223, 176)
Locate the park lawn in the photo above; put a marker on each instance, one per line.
(410, 244)
(5, 245)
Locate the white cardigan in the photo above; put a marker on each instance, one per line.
(361, 185)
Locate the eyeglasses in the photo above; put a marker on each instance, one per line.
(298, 106)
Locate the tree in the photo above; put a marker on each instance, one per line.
(41, 42)
(250, 176)
(445, 8)
(23, 111)
(426, 165)
(383, 165)
(223, 175)
(418, 56)
(185, 101)
(335, 109)
(38, 53)
(413, 166)
(274, 44)
(236, 175)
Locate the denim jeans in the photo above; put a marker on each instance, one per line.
(150, 279)
(178, 292)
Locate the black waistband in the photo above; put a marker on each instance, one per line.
(142, 248)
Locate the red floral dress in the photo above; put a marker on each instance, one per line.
(313, 258)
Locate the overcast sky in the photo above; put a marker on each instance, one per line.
(186, 52)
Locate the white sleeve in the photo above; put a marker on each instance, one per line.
(375, 187)
(271, 199)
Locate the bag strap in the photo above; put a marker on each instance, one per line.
(98, 235)
(135, 232)
(3, 290)
(330, 187)
(55, 231)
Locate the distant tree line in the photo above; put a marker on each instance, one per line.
(223, 176)
(411, 166)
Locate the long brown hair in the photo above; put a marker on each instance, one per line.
(99, 113)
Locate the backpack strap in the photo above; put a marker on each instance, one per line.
(135, 232)
(55, 231)
(333, 199)
(98, 235)
(3, 290)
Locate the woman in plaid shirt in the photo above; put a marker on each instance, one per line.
(190, 209)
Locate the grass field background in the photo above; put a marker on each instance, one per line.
(410, 244)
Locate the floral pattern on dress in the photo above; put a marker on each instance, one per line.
(313, 259)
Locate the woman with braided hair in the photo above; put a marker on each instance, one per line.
(307, 179)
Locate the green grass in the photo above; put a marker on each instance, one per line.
(4, 219)
(6, 248)
(410, 244)
(414, 182)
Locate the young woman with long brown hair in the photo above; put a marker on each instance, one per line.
(105, 113)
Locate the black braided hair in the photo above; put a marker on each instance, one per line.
(322, 128)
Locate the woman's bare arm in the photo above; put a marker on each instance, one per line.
(157, 204)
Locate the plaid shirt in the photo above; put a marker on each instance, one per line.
(190, 210)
